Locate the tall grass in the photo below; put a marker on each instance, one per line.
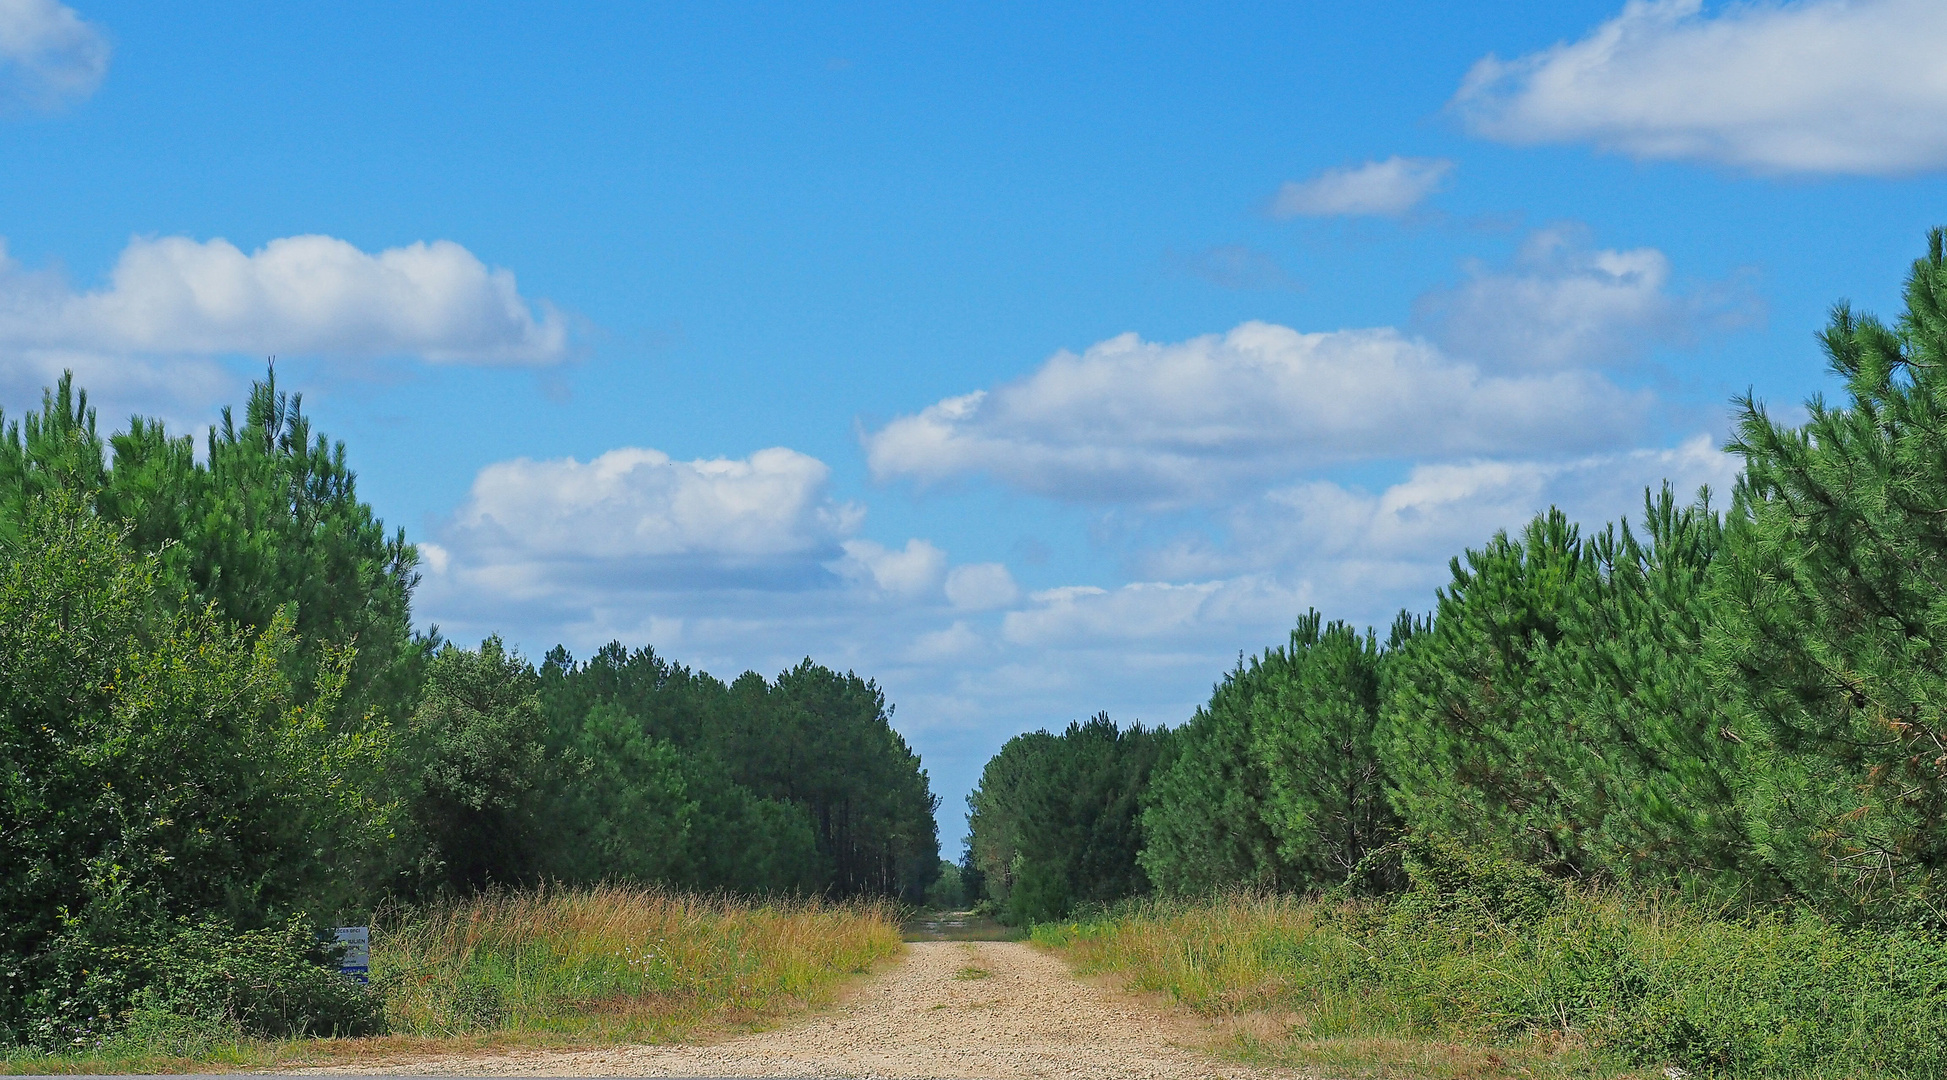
(554, 966)
(1592, 986)
(616, 962)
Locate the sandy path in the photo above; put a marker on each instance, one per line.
(931, 1015)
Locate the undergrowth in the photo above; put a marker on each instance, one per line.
(1529, 978)
(547, 966)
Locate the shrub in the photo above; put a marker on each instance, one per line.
(178, 981)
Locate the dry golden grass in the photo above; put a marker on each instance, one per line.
(563, 967)
(618, 962)
(1267, 970)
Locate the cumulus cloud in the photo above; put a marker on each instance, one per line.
(1385, 188)
(1820, 86)
(636, 516)
(1175, 423)
(177, 390)
(956, 642)
(1565, 303)
(300, 294)
(910, 571)
(48, 54)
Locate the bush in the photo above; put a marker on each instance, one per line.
(194, 983)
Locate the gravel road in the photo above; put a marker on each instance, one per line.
(948, 1009)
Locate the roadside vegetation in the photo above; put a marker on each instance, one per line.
(1507, 974)
(1664, 794)
(618, 962)
(544, 966)
(221, 736)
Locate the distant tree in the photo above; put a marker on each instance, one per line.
(1061, 824)
(799, 784)
(995, 810)
(475, 757)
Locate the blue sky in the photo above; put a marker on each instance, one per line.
(1032, 359)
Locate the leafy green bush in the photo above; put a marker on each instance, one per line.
(197, 982)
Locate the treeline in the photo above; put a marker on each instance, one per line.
(218, 725)
(1741, 703)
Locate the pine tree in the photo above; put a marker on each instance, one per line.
(1204, 825)
(1469, 752)
(1830, 638)
(1650, 772)
(1315, 741)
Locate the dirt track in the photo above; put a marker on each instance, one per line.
(934, 1014)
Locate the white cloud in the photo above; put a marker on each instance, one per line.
(48, 55)
(638, 511)
(981, 587)
(1565, 303)
(178, 390)
(1149, 423)
(912, 571)
(299, 294)
(1388, 187)
(1820, 86)
(434, 558)
(1152, 612)
(1365, 553)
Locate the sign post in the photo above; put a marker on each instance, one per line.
(356, 963)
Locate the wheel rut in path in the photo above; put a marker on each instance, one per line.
(952, 1009)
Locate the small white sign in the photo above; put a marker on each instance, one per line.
(357, 961)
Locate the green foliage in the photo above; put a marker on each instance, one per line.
(1056, 820)
(948, 892)
(1277, 783)
(796, 784)
(1469, 751)
(1831, 628)
(1650, 783)
(474, 756)
(201, 979)
(271, 518)
(622, 807)
(1560, 710)
(1204, 820)
(155, 763)
(1489, 955)
(1327, 806)
(217, 725)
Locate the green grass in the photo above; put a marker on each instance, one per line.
(1594, 987)
(550, 967)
